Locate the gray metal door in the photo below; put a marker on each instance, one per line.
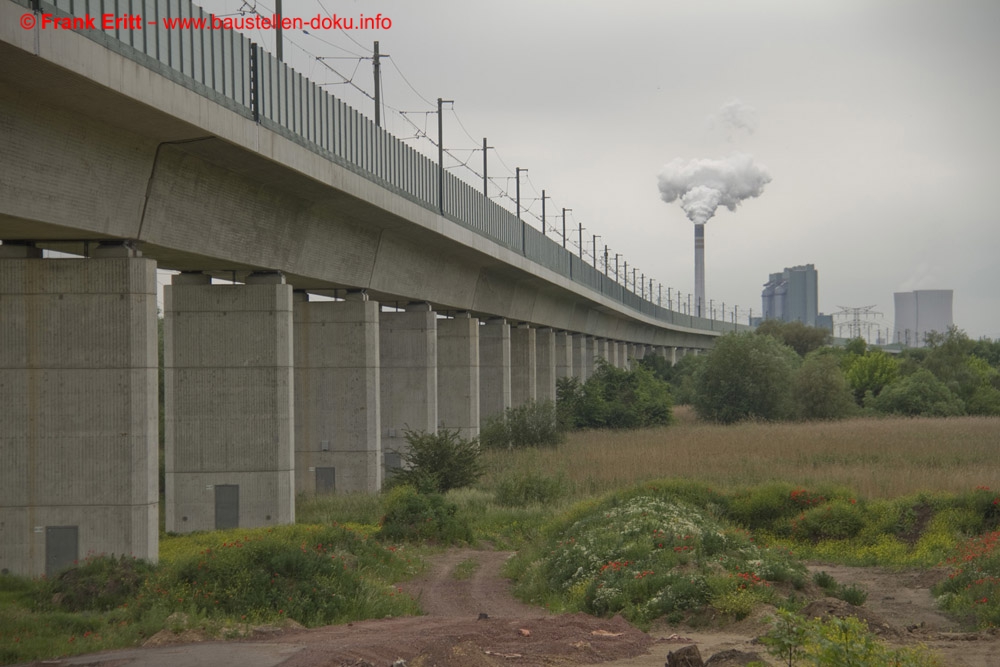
(62, 548)
(227, 506)
(326, 480)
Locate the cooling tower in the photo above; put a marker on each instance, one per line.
(699, 269)
(920, 312)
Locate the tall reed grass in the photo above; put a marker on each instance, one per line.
(877, 458)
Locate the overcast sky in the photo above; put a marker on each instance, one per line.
(876, 119)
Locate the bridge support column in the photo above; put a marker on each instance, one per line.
(523, 365)
(630, 353)
(78, 408)
(338, 435)
(582, 368)
(614, 354)
(564, 354)
(592, 354)
(458, 374)
(494, 368)
(408, 350)
(545, 365)
(673, 355)
(228, 398)
(602, 350)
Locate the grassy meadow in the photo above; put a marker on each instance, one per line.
(876, 458)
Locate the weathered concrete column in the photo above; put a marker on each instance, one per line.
(338, 433)
(228, 383)
(582, 369)
(408, 349)
(523, 368)
(592, 354)
(494, 368)
(564, 354)
(545, 365)
(614, 355)
(673, 356)
(602, 350)
(458, 374)
(78, 408)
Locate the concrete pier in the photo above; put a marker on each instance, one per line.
(494, 368)
(564, 354)
(581, 369)
(338, 436)
(78, 408)
(458, 374)
(408, 349)
(228, 403)
(545, 365)
(523, 370)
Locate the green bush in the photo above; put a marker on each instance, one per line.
(438, 462)
(836, 642)
(871, 373)
(796, 335)
(414, 516)
(919, 394)
(534, 424)
(971, 588)
(762, 506)
(820, 388)
(835, 520)
(100, 583)
(747, 376)
(615, 398)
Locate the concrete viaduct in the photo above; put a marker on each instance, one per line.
(198, 152)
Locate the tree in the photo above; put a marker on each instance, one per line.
(614, 398)
(820, 388)
(871, 373)
(746, 375)
(796, 335)
(437, 462)
(919, 394)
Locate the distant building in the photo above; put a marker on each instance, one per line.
(793, 296)
(919, 313)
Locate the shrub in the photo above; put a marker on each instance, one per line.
(746, 376)
(836, 520)
(414, 516)
(100, 583)
(310, 574)
(437, 462)
(534, 424)
(837, 642)
(618, 398)
(970, 589)
(918, 394)
(796, 335)
(820, 389)
(871, 373)
(762, 506)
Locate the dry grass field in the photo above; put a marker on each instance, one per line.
(877, 458)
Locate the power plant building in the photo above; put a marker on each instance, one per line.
(921, 312)
(793, 296)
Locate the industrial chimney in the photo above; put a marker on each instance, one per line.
(699, 269)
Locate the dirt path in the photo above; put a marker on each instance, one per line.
(460, 585)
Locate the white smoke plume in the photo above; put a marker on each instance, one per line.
(703, 185)
(733, 118)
